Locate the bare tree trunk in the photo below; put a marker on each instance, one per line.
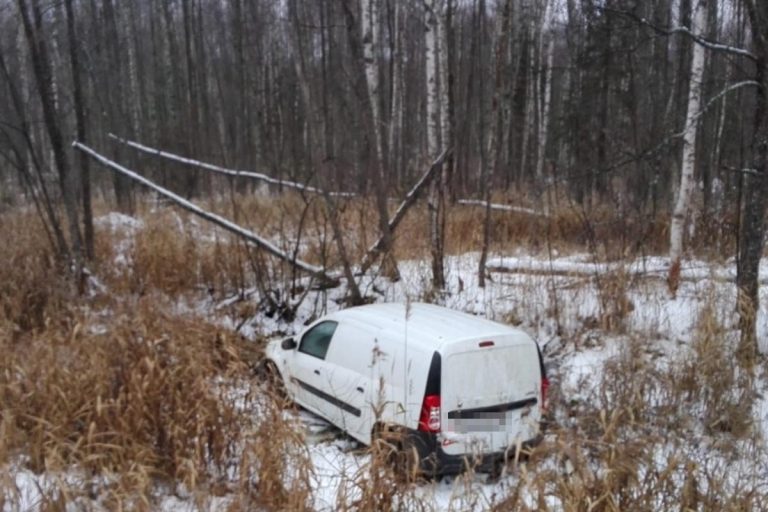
(431, 70)
(42, 71)
(396, 107)
(494, 136)
(371, 108)
(544, 103)
(752, 235)
(312, 124)
(683, 201)
(28, 158)
(77, 92)
(434, 45)
(410, 199)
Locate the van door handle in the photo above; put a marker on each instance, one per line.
(317, 372)
(360, 389)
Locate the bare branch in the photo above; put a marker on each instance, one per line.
(668, 31)
(223, 170)
(249, 236)
(714, 99)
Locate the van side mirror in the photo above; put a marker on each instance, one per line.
(288, 344)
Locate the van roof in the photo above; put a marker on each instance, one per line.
(428, 325)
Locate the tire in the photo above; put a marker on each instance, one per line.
(389, 446)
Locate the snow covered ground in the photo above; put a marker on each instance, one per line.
(565, 303)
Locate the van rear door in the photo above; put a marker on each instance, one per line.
(491, 394)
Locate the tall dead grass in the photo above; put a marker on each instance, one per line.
(121, 398)
(125, 399)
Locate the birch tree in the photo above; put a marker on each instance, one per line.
(370, 26)
(436, 106)
(687, 181)
(547, 49)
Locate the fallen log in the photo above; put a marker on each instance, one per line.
(223, 170)
(638, 269)
(501, 207)
(325, 279)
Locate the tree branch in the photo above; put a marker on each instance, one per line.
(249, 236)
(668, 31)
(224, 170)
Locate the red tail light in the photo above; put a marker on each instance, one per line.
(430, 414)
(544, 388)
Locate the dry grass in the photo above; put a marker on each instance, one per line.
(137, 400)
(130, 401)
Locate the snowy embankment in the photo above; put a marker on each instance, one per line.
(582, 312)
(561, 309)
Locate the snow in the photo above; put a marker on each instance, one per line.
(119, 223)
(251, 237)
(559, 301)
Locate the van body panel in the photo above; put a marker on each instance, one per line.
(490, 395)
(376, 368)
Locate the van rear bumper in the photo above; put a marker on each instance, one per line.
(435, 462)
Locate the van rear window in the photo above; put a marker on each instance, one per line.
(316, 341)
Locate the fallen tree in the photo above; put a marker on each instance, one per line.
(643, 268)
(223, 170)
(326, 280)
(500, 207)
(375, 250)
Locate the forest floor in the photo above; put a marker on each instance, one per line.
(654, 406)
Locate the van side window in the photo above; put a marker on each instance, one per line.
(316, 341)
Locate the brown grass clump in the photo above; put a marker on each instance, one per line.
(31, 291)
(174, 255)
(713, 376)
(137, 400)
(275, 468)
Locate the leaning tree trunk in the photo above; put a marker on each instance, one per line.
(683, 201)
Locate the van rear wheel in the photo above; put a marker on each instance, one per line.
(389, 447)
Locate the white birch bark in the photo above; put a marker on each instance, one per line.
(434, 58)
(530, 99)
(446, 135)
(683, 200)
(396, 113)
(55, 53)
(223, 170)
(431, 64)
(544, 103)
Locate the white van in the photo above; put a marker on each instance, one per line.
(456, 385)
